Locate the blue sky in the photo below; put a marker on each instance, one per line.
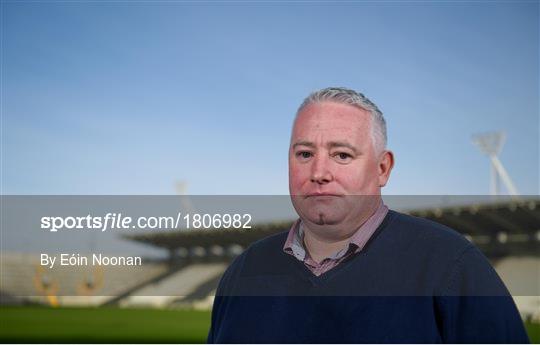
(127, 98)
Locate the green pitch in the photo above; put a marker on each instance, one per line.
(102, 325)
(113, 325)
(533, 330)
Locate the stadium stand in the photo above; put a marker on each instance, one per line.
(522, 278)
(23, 278)
(176, 287)
(508, 232)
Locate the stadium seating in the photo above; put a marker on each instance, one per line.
(24, 279)
(176, 287)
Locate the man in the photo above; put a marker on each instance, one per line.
(350, 270)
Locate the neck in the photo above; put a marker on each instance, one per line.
(321, 248)
(321, 244)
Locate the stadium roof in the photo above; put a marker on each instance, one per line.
(497, 228)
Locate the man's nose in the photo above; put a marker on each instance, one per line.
(320, 170)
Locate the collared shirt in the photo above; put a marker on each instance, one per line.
(294, 245)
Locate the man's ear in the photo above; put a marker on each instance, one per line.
(386, 163)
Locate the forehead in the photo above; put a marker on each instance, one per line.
(331, 121)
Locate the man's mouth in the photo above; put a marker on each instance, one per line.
(322, 195)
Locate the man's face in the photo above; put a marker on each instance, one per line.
(334, 173)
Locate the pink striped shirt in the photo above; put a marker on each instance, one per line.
(294, 245)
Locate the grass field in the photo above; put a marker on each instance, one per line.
(533, 330)
(113, 325)
(102, 325)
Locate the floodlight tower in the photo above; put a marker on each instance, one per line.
(491, 145)
(181, 189)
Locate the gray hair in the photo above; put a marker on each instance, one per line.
(357, 99)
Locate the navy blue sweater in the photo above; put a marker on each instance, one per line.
(415, 281)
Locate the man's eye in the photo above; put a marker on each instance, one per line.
(343, 156)
(303, 154)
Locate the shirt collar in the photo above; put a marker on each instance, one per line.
(294, 245)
